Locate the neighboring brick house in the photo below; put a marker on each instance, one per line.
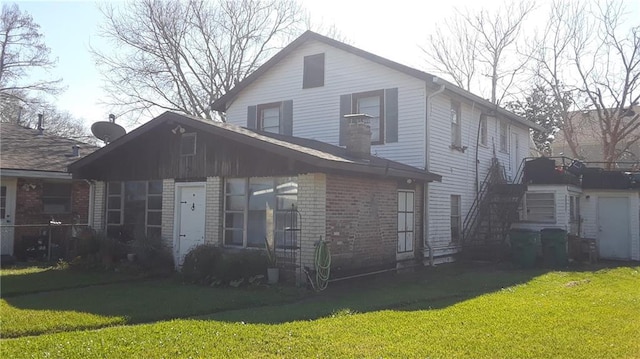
(36, 187)
(193, 181)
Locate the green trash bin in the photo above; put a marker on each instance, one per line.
(524, 247)
(554, 247)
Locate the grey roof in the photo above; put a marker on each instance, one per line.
(313, 152)
(23, 148)
(222, 103)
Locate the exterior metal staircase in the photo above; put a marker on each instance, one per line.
(495, 208)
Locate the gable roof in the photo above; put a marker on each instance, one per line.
(222, 103)
(313, 152)
(25, 149)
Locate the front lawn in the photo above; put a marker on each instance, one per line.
(16, 281)
(558, 314)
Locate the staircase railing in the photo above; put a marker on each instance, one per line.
(494, 175)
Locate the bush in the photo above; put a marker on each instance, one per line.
(152, 255)
(241, 265)
(200, 263)
(209, 264)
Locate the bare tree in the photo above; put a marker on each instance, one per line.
(183, 55)
(22, 50)
(587, 50)
(473, 47)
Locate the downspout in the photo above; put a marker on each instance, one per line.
(425, 195)
(92, 194)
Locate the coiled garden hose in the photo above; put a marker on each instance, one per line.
(322, 264)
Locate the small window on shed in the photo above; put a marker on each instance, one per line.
(188, 144)
(313, 71)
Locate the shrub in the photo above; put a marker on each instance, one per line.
(209, 264)
(239, 265)
(200, 263)
(152, 255)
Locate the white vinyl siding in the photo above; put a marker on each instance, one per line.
(317, 110)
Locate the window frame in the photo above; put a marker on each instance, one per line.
(406, 212)
(455, 217)
(120, 198)
(484, 131)
(536, 203)
(183, 138)
(260, 116)
(313, 71)
(66, 197)
(355, 105)
(574, 208)
(277, 212)
(456, 126)
(503, 135)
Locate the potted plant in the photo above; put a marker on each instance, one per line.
(273, 272)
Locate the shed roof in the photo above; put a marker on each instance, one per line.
(319, 154)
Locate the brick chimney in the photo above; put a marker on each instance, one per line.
(358, 140)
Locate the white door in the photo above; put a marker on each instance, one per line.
(7, 214)
(613, 228)
(190, 218)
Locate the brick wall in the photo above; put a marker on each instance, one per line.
(29, 210)
(213, 229)
(312, 202)
(361, 222)
(168, 209)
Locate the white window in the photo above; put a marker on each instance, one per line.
(134, 209)
(406, 218)
(248, 204)
(456, 219)
(504, 136)
(456, 135)
(483, 130)
(371, 103)
(269, 117)
(539, 207)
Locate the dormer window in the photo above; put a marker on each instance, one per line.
(313, 73)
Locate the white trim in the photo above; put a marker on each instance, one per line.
(8, 231)
(35, 174)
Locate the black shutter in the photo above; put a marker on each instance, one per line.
(391, 114)
(252, 119)
(286, 122)
(345, 109)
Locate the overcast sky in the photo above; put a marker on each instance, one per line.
(392, 29)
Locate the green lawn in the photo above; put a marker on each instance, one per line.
(17, 281)
(436, 313)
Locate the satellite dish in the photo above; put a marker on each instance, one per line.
(108, 131)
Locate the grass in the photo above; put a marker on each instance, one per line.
(123, 303)
(480, 314)
(17, 281)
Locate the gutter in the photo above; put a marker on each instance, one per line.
(425, 194)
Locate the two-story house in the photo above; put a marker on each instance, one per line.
(278, 168)
(416, 118)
